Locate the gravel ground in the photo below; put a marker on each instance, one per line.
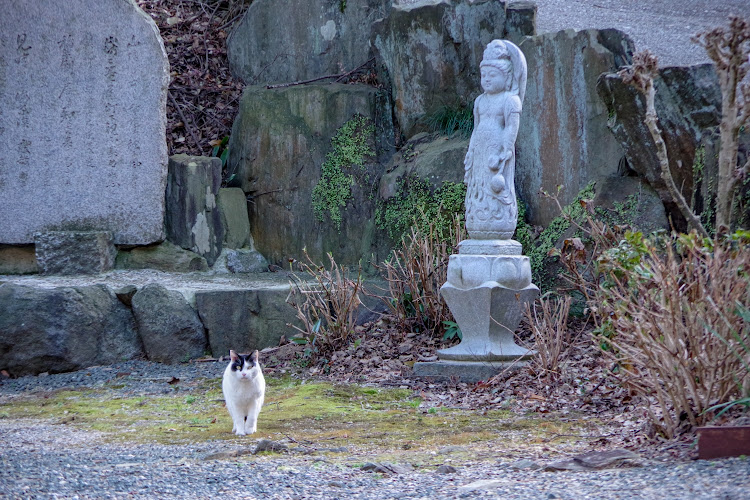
(662, 26)
(44, 460)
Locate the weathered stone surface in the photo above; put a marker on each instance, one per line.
(488, 315)
(520, 21)
(232, 205)
(75, 252)
(279, 142)
(169, 328)
(163, 257)
(291, 40)
(688, 103)
(246, 261)
(469, 372)
(432, 52)
(631, 201)
(563, 138)
(435, 158)
(83, 88)
(244, 320)
(193, 220)
(18, 260)
(63, 328)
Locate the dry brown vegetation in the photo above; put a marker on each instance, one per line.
(203, 95)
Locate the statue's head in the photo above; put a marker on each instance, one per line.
(496, 63)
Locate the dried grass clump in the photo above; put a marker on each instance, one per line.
(553, 340)
(415, 272)
(671, 320)
(326, 306)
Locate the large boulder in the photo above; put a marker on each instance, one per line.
(293, 40)
(563, 139)
(280, 140)
(244, 320)
(63, 329)
(169, 328)
(434, 158)
(193, 220)
(432, 52)
(630, 201)
(688, 104)
(83, 92)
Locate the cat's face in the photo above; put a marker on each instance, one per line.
(244, 366)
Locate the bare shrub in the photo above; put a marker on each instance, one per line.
(415, 272)
(548, 320)
(326, 305)
(670, 320)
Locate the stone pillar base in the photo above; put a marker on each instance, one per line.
(469, 372)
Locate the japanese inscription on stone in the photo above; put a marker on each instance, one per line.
(82, 120)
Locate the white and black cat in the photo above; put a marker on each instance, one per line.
(244, 389)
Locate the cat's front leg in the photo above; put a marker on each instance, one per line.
(238, 422)
(251, 423)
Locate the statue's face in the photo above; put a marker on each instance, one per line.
(493, 80)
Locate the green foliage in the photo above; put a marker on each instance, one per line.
(544, 246)
(417, 206)
(221, 150)
(452, 330)
(349, 149)
(450, 119)
(743, 312)
(524, 232)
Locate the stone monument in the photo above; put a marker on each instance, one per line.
(83, 89)
(489, 281)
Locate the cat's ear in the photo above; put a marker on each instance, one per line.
(254, 356)
(233, 356)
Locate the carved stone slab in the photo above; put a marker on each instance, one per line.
(83, 88)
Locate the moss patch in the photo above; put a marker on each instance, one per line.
(374, 422)
(417, 205)
(350, 147)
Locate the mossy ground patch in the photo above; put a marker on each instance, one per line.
(369, 421)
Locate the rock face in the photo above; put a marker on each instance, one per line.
(83, 118)
(432, 52)
(292, 40)
(426, 156)
(18, 260)
(75, 252)
(688, 103)
(163, 257)
(63, 329)
(244, 320)
(280, 140)
(193, 220)
(631, 201)
(563, 138)
(232, 205)
(170, 329)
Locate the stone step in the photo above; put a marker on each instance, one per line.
(64, 323)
